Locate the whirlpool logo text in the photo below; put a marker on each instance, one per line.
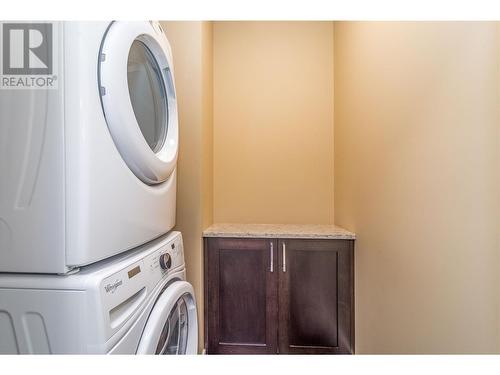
(111, 288)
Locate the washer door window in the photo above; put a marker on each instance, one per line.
(138, 98)
(172, 326)
(174, 335)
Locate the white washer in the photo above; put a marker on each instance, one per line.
(132, 303)
(88, 170)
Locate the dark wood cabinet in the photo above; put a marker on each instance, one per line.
(279, 296)
(316, 298)
(241, 292)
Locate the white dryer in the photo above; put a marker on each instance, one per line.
(88, 169)
(138, 302)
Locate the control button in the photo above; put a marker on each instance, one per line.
(165, 261)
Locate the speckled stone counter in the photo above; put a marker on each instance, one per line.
(316, 231)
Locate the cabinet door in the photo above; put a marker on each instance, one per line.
(316, 299)
(241, 295)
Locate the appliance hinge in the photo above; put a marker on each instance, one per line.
(71, 271)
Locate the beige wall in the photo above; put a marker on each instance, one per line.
(207, 128)
(498, 178)
(417, 178)
(273, 122)
(416, 160)
(192, 50)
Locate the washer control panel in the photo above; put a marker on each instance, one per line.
(169, 257)
(124, 289)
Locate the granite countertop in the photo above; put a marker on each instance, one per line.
(318, 231)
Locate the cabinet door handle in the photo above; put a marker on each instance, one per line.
(284, 257)
(271, 268)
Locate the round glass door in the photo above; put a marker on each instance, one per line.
(174, 335)
(172, 325)
(137, 91)
(147, 94)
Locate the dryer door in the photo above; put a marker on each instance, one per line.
(136, 85)
(172, 326)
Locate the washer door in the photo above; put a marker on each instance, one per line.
(172, 326)
(136, 85)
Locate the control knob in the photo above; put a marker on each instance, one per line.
(165, 261)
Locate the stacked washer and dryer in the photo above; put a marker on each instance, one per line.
(88, 261)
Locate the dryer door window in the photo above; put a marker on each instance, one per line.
(147, 94)
(138, 98)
